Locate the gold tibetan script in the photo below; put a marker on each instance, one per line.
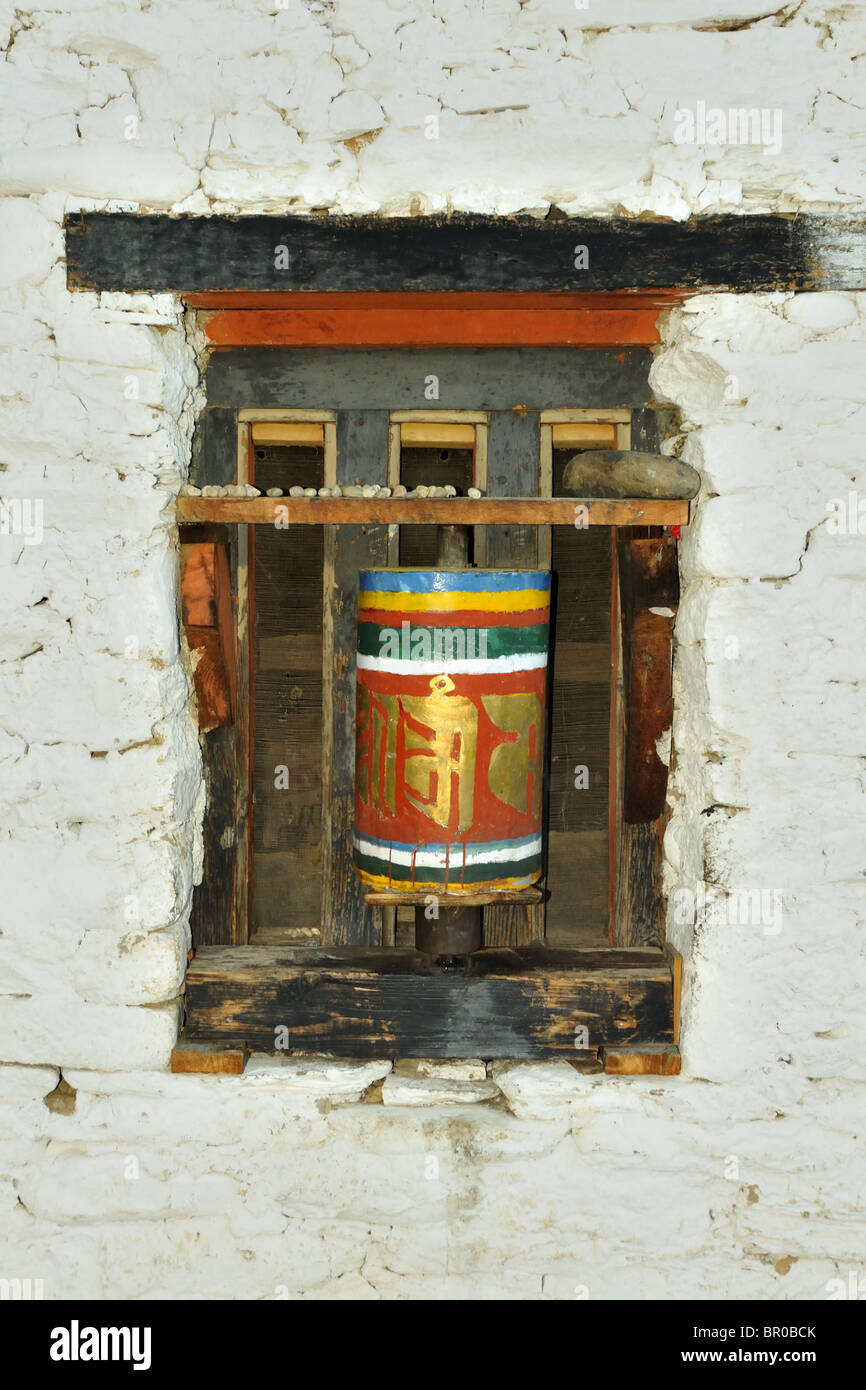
(514, 761)
(438, 737)
(441, 737)
(376, 749)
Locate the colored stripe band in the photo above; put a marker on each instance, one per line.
(453, 888)
(421, 643)
(455, 581)
(396, 667)
(509, 601)
(466, 617)
(525, 869)
(494, 852)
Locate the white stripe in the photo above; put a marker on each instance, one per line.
(437, 859)
(397, 667)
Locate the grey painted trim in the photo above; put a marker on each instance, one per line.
(396, 378)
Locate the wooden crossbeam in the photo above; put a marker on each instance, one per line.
(562, 324)
(454, 511)
(534, 1001)
(729, 251)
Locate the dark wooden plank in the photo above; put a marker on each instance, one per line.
(213, 901)
(287, 705)
(616, 738)
(639, 911)
(513, 449)
(576, 911)
(649, 580)
(578, 858)
(650, 711)
(637, 908)
(578, 741)
(512, 512)
(215, 916)
(649, 572)
(766, 251)
(362, 455)
(399, 378)
(652, 425)
(214, 447)
(363, 1003)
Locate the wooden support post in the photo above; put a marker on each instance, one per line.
(513, 450)
(650, 582)
(362, 453)
(219, 906)
(452, 547)
(648, 579)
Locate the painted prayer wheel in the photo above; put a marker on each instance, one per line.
(451, 674)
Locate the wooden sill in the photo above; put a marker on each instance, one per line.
(386, 1002)
(384, 898)
(449, 511)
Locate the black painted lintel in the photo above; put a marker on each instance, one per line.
(748, 252)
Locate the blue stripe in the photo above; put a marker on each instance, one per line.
(451, 581)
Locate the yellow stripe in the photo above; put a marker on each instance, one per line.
(514, 601)
(456, 889)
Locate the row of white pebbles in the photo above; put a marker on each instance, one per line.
(369, 490)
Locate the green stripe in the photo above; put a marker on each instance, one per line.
(501, 641)
(428, 873)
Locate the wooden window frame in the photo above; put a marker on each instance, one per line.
(421, 272)
(517, 280)
(362, 1000)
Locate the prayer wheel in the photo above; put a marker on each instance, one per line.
(451, 674)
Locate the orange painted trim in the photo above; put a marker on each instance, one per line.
(433, 320)
(228, 328)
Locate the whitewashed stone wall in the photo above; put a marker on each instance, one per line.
(744, 1176)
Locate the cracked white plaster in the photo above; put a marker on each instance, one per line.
(332, 1178)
